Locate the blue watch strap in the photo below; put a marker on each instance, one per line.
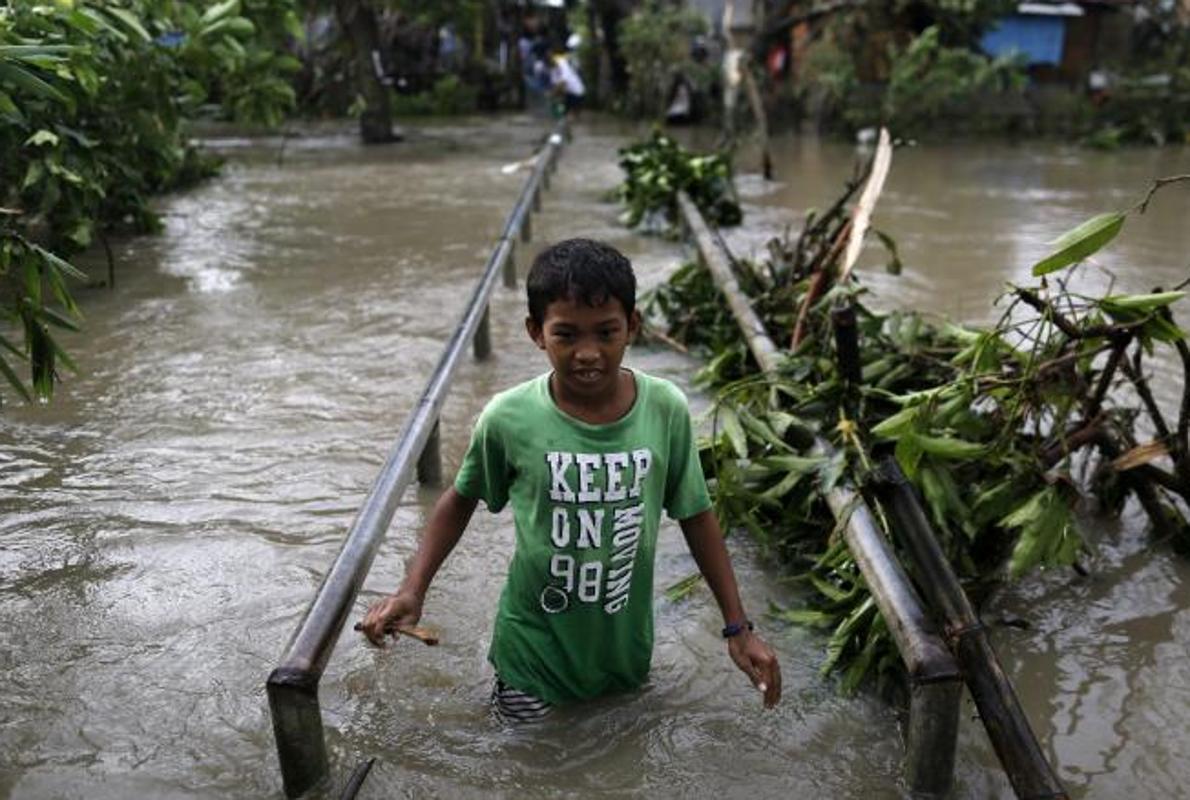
(736, 628)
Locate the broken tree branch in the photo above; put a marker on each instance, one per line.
(862, 217)
(1143, 205)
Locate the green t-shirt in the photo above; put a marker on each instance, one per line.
(576, 616)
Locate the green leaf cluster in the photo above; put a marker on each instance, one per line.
(929, 81)
(94, 99)
(30, 272)
(981, 421)
(655, 43)
(658, 168)
(448, 96)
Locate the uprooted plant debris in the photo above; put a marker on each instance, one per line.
(657, 168)
(1005, 430)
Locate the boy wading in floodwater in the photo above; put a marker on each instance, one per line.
(589, 454)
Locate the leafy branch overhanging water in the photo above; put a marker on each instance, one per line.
(1005, 431)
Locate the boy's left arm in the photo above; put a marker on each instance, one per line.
(749, 652)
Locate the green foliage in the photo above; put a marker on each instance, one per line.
(1047, 531)
(448, 96)
(960, 22)
(466, 15)
(93, 100)
(1077, 245)
(831, 73)
(1144, 108)
(658, 168)
(869, 67)
(931, 82)
(1149, 104)
(990, 425)
(656, 45)
(30, 272)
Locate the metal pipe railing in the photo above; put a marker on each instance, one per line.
(293, 685)
(935, 681)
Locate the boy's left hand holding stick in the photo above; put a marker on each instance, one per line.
(396, 614)
(399, 612)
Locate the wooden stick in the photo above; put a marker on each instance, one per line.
(762, 124)
(881, 163)
(1008, 727)
(818, 285)
(423, 635)
(649, 332)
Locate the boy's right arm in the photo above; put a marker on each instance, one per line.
(447, 522)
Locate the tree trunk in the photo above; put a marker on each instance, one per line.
(359, 23)
(611, 13)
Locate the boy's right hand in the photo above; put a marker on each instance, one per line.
(400, 609)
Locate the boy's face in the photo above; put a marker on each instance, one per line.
(585, 344)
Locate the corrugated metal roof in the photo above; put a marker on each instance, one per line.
(1051, 9)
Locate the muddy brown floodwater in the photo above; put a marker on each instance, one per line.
(168, 517)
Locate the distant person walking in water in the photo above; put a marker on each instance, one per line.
(565, 82)
(588, 454)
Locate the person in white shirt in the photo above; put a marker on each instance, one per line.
(566, 83)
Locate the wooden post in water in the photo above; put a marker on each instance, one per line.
(482, 344)
(935, 683)
(527, 228)
(537, 198)
(741, 20)
(429, 463)
(1008, 728)
(762, 122)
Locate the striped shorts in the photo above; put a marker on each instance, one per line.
(513, 705)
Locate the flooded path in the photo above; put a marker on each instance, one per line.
(168, 517)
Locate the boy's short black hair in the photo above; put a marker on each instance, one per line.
(583, 270)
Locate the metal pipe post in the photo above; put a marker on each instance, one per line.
(293, 686)
(935, 681)
(429, 463)
(482, 346)
(763, 350)
(297, 727)
(510, 267)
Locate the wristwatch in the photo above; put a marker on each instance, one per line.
(736, 628)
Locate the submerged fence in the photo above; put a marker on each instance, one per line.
(935, 677)
(935, 682)
(293, 685)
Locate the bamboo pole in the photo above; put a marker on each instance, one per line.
(1008, 728)
(935, 680)
(762, 347)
